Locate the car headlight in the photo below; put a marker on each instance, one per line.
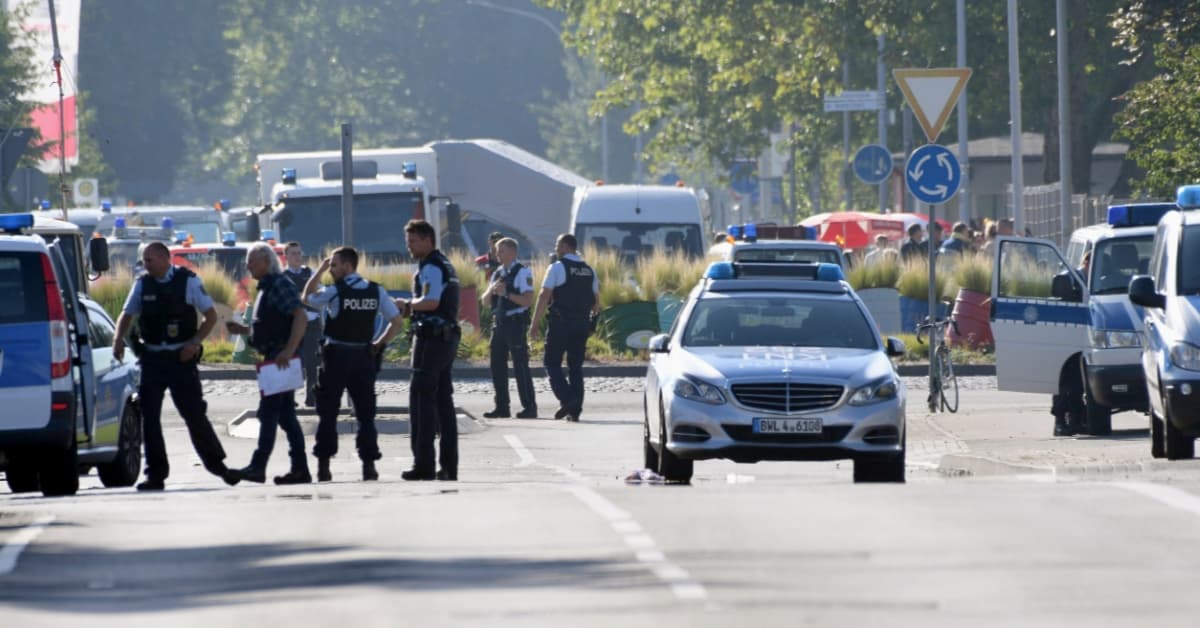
(875, 392)
(1108, 339)
(697, 390)
(1186, 356)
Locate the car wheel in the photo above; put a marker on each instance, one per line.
(60, 472)
(1099, 417)
(1178, 446)
(1157, 438)
(649, 454)
(21, 478)
(125, 467)
(882, 467)
(670, 466)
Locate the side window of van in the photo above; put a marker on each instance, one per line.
(1158, 259)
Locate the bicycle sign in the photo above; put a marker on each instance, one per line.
(933, 174)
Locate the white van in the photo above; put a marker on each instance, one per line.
(637, 219)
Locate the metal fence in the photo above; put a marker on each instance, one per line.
(1042, 211)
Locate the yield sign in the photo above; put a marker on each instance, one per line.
(932, 93)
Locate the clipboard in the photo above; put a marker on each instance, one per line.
(273, 380)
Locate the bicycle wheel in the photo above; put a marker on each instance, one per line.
(949, 383)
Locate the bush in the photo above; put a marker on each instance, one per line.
(883, 273)
(974, 272)
(218, 351)
(221, 287)
(111, 290)
(665, 273)
(617, 285)
(913, 281)
(390, 276)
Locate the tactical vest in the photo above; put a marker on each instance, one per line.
(575, 297)
(504, 305)
(300, 280)
(167, 317)
(447, 309)
(270, 329)
(355, 320)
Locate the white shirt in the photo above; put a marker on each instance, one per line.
(523, 283)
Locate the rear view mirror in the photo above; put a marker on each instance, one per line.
(98, 254)
(1065, 288)
(660, 343)
(895, 347)
(1142, 292)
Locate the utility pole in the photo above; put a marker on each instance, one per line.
(1064, 124)
(1014, 105)
(347, 185)
(964, 195)
(881, 85)
(846, 176)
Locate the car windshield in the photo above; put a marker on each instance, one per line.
(779, 254)
(633, 240)
(316, 223)
(1189, 261)
(791, 321)
(1116, 261)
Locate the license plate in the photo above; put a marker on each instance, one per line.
(787, 426)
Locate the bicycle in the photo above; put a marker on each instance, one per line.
(944, 385)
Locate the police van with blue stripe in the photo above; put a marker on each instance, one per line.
(1064, 325)
(65, 403)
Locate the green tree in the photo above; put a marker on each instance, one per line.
(17, 74)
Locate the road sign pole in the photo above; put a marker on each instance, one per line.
(1014, 105)
(964, 197)
(933, 303)
(846, 178)
(880, 79)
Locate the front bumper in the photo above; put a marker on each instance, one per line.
(1120, 387)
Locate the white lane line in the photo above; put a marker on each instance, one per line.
(13, 548)
(1171, 496)
(524, 454)
(645, 549)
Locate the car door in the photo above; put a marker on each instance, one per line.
(111, 377)
(81, 346)
(1039, 314)
(25, 344)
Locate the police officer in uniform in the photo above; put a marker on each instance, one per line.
(512, 287)
(434, 312)
(349, 353)
(572, 292)
(276, 333)
(299, 274)
(164, 301)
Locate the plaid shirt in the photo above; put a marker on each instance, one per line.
(280, 293)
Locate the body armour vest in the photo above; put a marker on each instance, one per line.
(355, 321)
(447, 308)
(270, 328)
(300, 279)
(575, 296)
(504, 304)
(167, 317)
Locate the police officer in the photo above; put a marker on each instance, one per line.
(512, 287)
(572, 292)
(434, 312)
(348, 355)
(299, 274)
(276, 332)
(164, 301)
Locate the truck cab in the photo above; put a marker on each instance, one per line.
(1063, 323)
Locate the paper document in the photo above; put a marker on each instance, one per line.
(273, 380)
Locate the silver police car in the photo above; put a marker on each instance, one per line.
(774, 362)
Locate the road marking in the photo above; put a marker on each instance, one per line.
(13, 548)
(1171, 496)
(524, 454)
(645, 550)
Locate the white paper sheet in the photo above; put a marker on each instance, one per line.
(273, 380)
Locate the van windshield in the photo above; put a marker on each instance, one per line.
(1115, 261)
(633, 240)
(379, 219)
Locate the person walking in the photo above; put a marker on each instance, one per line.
(299, 274)
(571, 292)
(348, 355)
(436, 334)
(512, 285)
(915, 246)
(276, 332)
(164, 302)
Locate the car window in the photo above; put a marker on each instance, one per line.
(776, 254)
(1028, 269)
(1116, 261)
(778, 321)
(1189, 260)
(100, 328)
(22, 287)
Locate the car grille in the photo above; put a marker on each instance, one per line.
(787, 397)
(745, 434)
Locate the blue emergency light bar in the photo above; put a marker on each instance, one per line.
(750, 232)
(119, 223)
(1139, 214)
(409, 170)
(181, 237)
(15, 223)
(228, 238)
(1188, 196)
(106, 206)
(168, 223)
(734, 270)
(734, 231)
(268, 235)
(289, 175)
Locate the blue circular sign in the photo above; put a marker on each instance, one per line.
(873, 164)
(933, 174)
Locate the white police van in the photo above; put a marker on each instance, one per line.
(1063, 324)
(67, 403)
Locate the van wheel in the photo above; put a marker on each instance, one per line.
(60, 472)
(649, 454)
(670, 466)
(1179, 446)
(125, 467)
(21, 478)
(1099, 418)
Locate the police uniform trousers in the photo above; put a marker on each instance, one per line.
(349, 368)
(278, 411)
(566, 335)
(310, 358)
(431, 403)
(510, 336)
(162, 371)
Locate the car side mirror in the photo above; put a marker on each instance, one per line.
(1142, 292)
(895, 347)
(98, 254)
(660, 343)
(1065, 288)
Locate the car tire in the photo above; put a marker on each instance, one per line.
(1099, 417)
(59, 472)
(1158, 446)
(21, 478)
(882, 467)
(127, 465)
(649, 453)
(1178, 445)
(671, 467)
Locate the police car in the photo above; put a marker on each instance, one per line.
(67, 404)
(774, 362)
(1063, 324)
(1170, 358)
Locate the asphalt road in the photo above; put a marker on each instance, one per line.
(543, 529)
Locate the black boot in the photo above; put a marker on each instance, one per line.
(369, 472)
(323, 474)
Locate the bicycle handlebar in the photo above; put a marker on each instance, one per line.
(939, 325)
